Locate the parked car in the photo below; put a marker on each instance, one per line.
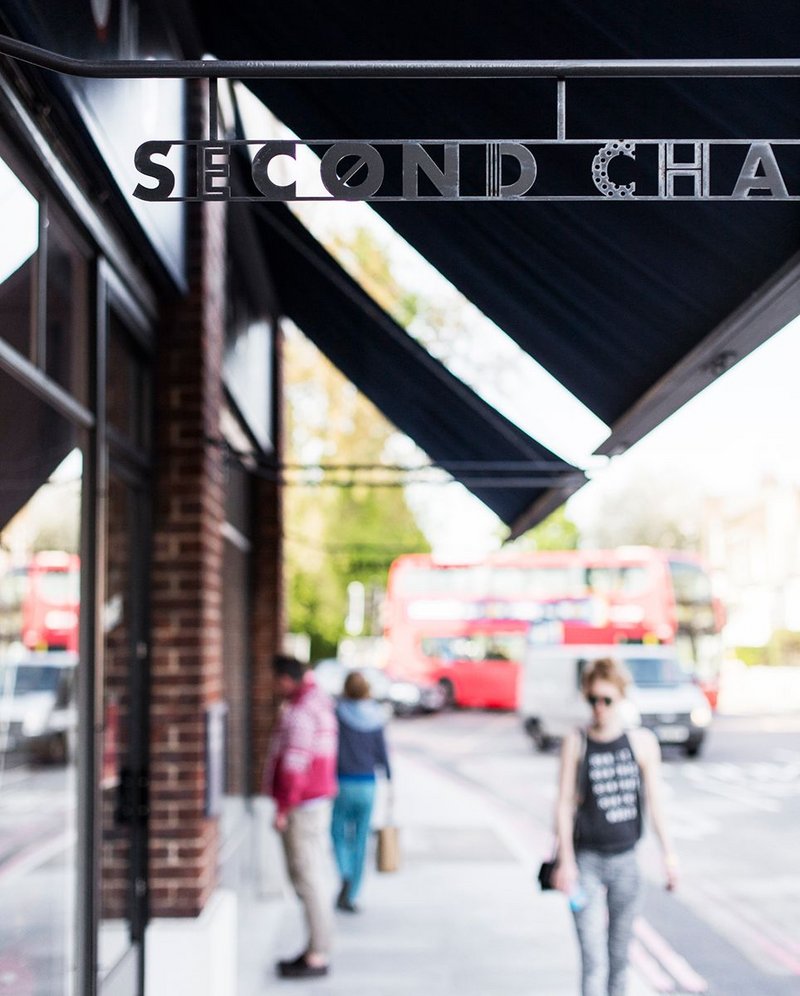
(403, 697)
(38, 713)
(330, 674)
(408, 697)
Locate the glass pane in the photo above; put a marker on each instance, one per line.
(128, 391)
(115, 894)
(67, 311)
(691, 583)
(120, 382)
(40, 502)
(19, 241)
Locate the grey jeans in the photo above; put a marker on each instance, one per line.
(306, 841)
(605, 924)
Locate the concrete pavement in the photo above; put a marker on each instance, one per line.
(462, 917)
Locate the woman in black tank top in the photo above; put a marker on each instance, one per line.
(606, 774)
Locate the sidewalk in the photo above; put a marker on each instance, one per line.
(462, 917)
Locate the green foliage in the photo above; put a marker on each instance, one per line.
(335, 535)
(556, 532)
(782, 650)
(752, 656)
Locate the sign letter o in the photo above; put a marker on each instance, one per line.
(360, 179)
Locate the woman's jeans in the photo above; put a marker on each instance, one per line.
(605, 924)
(350, 828)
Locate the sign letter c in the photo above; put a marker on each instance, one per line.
(600, 164)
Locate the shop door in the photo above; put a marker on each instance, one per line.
(123, 762)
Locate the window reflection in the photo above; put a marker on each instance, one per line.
(67, 306)
(40, 498)
(19, 241)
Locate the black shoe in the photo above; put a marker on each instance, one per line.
(293, 963)
(300, 969)
(348, 906)
(343, 898)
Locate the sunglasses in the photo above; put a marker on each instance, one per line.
(594, 700)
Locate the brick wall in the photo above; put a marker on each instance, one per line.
(186, 658)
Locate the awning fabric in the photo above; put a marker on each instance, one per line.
(632, 306)
(457, 429)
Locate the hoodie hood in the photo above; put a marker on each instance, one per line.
(362, 714)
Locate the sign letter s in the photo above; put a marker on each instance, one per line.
(143, 161)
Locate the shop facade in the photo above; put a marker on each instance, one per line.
(139, 537)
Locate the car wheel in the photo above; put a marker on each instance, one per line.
(693, 747)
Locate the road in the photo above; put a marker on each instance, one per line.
(733, 927)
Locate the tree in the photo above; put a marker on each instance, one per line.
(556, 532)
(335, 535)
(644, 505)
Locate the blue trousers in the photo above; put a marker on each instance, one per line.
(350, 829)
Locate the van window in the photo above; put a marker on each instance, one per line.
(30, 678)
(655, 672)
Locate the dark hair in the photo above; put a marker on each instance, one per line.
(289, 666)
(356, 686)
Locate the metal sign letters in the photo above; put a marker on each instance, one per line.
(557, 169)
(444, 170)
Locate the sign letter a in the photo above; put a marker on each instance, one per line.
(760, 171)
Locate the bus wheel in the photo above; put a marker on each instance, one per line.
(449, 693)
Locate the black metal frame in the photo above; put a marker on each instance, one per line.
(133, 469)
(391, 69)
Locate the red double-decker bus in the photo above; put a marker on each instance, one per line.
(51, 601)
(465, 626)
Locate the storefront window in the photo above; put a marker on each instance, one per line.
(40, 501)
(19, 242)
(65, 355)
(128, 400)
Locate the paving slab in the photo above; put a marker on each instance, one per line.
(461, 917)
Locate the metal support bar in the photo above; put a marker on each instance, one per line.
(213, 110)
(392, 69)
(561, 109)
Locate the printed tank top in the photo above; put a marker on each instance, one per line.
(609, 813)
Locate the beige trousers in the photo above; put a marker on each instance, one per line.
(306, 841)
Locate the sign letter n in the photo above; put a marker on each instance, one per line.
(416, 160)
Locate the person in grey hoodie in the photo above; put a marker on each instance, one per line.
(362, 749)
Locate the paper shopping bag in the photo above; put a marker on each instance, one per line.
(388, 852)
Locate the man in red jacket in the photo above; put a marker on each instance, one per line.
(300, 775)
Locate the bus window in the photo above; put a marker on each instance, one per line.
(622, 580)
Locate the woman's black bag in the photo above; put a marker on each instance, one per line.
(545, 875)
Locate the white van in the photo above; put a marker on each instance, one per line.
(38, 713)
(663, 697)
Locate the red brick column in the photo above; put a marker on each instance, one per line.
(186, 658)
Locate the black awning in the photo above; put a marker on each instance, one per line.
(513, 475)
(633, 306)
